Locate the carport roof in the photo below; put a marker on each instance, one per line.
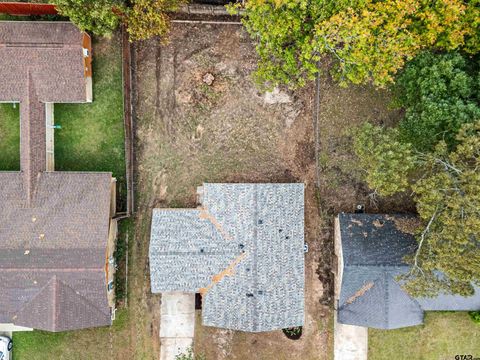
(243, 250)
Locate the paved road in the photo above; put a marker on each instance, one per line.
(177, 324)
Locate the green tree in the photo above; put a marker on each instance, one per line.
(439, 93)
(149, 18)
(369, 40)
(446, 188)
(448, 202)
(386, 162)
(98, 16)
(372, 43)
(284, 31)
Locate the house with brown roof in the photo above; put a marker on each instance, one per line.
(57, 231)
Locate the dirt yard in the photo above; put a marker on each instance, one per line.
(200, 118)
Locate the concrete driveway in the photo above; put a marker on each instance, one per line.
(350, 342)
(177, 324)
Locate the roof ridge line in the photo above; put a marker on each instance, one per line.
(33, 298)
(82, 297)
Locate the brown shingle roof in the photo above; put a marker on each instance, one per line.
(51, 52)
(53, 225)
(59, 240)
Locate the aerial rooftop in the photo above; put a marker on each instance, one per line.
(373, 248)
(242, 250)
(54, 225)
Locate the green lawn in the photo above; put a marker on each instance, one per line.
(444, 335)
(92, 135)
(9, 137)
(90, 344)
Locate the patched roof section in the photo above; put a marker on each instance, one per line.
(373, 248)
(186, 250)
(377, 240)
(243, 249)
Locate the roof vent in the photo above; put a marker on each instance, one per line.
(260, 222)
(359, 209)
(201, 250)
(249, 295)
(260, 292)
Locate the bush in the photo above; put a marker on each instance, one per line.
(386, 161)
(475, 316)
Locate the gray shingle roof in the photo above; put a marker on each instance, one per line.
(373, 248)
(243, 249)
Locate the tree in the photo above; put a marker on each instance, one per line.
(440, 94)
(446, 188)
(386, 161)
(369, 40)
(448, 202)
(372, 43)
(98, 16)
(149, 18)
(284, 31)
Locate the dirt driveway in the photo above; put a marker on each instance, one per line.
(201, 118)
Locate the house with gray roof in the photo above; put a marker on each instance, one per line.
(57, 231)
(242, 249)
(370, 250)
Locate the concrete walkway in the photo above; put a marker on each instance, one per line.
(177, 324)
(350, 342)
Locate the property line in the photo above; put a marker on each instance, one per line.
(316, 127)
(207, 22)
(128, 119)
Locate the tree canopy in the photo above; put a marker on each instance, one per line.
(149, 18)
(370, 41)
(446, 188)
(439, 92)
(386, 162)
(143, 18)
(97, 16)
(448, 201)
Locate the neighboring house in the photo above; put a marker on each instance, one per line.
(370, 250)
(242, 249)
(57, 234)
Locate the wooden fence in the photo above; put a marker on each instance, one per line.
(18, 8)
